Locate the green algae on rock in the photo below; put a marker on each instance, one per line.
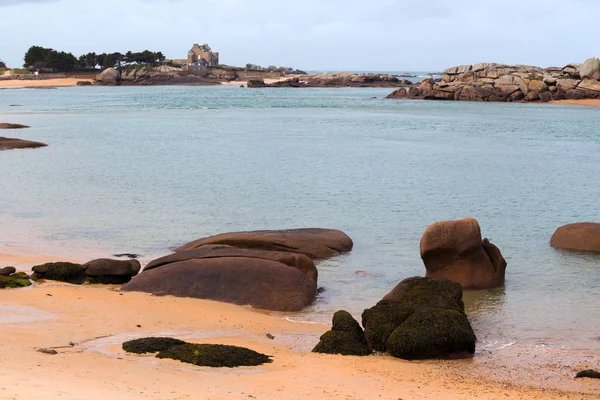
(14, 281)
(346, 337)
(215, 355)
(60, 271)
(151, 344)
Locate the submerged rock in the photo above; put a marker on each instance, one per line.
(151, 344)
(456, 251)
(420, 318)
(4, 125)
(316, 243)
(215, 355)
(346, 337)
(14, 143)
(583, 236)
(60, 271)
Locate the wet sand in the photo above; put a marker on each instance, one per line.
(97, 319)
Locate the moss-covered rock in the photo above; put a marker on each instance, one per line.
(344, 343)
(60, 271)
(151, 345)
(420, 318)
(215, 355)
(14, 281)
(588, 373)
(343, 321)
(435, 333)
(380, 321)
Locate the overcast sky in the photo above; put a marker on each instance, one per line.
(394, 35)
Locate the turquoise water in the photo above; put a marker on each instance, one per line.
(138, 169)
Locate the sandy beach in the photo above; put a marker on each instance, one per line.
(61, 82)
(584, 102)
(87, 324)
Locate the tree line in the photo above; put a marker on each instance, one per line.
(40, 57)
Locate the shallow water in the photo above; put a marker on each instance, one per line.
(141, 169)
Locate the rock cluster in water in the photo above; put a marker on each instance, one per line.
(421, 318)
(340, 79)
(206, 355)
(582, 236)
(271, 270)
(14, 143)
(500, 82)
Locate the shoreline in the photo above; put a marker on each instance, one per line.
(583, 102)
(99, 318)
(57, 82)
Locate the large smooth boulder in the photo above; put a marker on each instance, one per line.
(346, 337)
(456, 251)
(260, 283)
(314, 242)
(109, 76)
(420, 318)
(589, 67)
(105, 270)
(296, 260)
(583, 236)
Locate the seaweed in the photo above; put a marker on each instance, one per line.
(60, 271)
(215, 355)
(344, 343)
(14, 281)
(151, 344)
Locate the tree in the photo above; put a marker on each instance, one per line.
(101, 60)
(36, 54)
(87, 61)
(2, 64)
(60, 61)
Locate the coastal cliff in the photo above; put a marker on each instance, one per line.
(509, 83)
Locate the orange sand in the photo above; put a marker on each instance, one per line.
(43, 82)
(585, 102)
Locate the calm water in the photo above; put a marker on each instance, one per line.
(143, 169)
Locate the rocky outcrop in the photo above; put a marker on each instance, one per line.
(256, 83)
(84, 83)
(105, 270)
(420, 318)
(508, 83)
(13, 280)
(14, 143)
(456, 251)
(588, 373)
(110, 76)
(315, 243)
(4, 125)
(295, 260)
(260, 283)
(6, 271)
(346, 337)
(584, 236)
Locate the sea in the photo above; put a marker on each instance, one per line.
(144, 169)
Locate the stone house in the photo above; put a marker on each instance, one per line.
(203, 56)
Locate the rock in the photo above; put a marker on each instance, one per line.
(455, 250)
(109, 76)
(346, 337)
(588, 373)
(589, 67)
(84, 83)
(151, 344)
(565, 85)
(296, 260)
(4, 125)
(313, 242)
(14, 143)
(60, 271)
(420, 318)
(256, 83)
(583, 236)
(14, 281)
(51, 352)
(109, 271)
(590, 85)
(6, 271)
(260, 283)
(215, 355)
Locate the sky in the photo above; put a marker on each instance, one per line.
(322, 35)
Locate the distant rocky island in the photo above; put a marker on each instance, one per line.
(509, 83)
